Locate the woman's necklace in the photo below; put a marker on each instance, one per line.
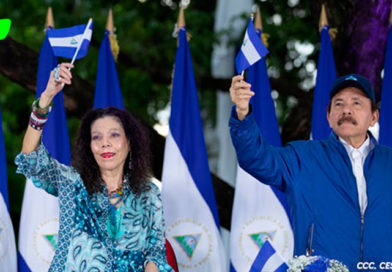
(114, 222)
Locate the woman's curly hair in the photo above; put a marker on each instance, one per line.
(85, 164)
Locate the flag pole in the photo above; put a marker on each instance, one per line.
(83, 36)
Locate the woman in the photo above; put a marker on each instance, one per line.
(110, 215)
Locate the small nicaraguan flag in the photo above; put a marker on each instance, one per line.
(268, 260)
(252, 49)
(65, 41)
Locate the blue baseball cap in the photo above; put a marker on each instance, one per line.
(353, 80)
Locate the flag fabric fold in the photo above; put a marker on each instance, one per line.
(260, 212)
(39, 221)
(192, 224)
(65, 41)
(8, 257)
(107, 85)
(268, 260)
(385, 136)
(326, 75)
(252, 49)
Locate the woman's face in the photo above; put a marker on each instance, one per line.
(109, 144)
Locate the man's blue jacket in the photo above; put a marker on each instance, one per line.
(321, 189)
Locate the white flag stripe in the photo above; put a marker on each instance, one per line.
(8, 261)
(187, 213)
(67, 41)
(39, 217)
(256, 209)
(249, 50)
(273, 263)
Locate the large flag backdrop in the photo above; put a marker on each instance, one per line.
(260, 212)
(40, 213)
(192, 224)
(326, 75)
(386, 96)
(107, 85)
(8, 260)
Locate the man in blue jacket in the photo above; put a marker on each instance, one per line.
(340, 187)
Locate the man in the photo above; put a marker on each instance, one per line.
(340, 187)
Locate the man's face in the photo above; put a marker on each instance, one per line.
(351, 114)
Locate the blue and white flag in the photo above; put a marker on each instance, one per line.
(252, 49)
(385, 137)
(326, 75)
(192, 224)
(39, 221)
(260, 212)
(268, 260)
(65, 41)
(107, 85)
(8, 260)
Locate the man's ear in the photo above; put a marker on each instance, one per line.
(375, 117)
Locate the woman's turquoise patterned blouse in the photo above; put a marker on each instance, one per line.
(87, 240)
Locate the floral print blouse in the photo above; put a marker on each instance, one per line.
(86, 238)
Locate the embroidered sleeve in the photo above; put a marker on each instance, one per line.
(43, 170)
(156, 250)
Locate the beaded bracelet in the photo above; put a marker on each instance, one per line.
(39, 116)
(41, 112)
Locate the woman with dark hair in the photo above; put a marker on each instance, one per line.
(110, 213)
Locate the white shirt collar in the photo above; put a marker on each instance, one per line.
(364, 149)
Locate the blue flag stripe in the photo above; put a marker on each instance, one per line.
(3, 166)
(326, 75)
(264, 111)
(22, 265)
(262, 257)
(107, 85)
(66, 32)
(386, 97)
(282, 268)
(186, 125)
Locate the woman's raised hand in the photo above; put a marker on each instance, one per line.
(58, 77)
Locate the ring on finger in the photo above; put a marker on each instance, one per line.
(56, 74)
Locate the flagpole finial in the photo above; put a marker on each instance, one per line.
(112, 37)
(258, 23)
(252, 16)
(181, 19)
(390, 16)
(49, 18)
(323, 18)
(110, 23)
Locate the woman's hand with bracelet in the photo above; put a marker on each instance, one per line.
(58, 77)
